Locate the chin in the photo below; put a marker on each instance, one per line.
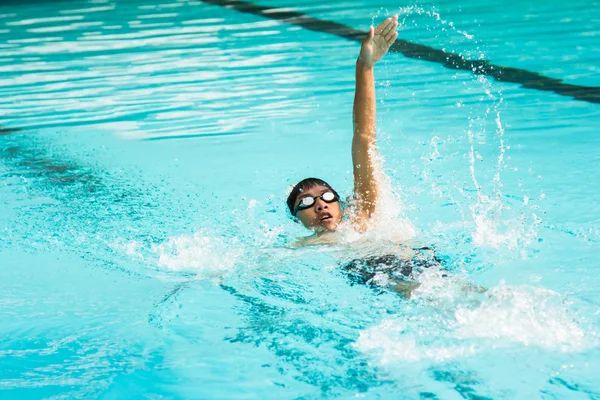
(330, 226)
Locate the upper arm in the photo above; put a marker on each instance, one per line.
(365, 183)
(363, 144)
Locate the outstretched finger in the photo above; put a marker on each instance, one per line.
(390, 26)
(383, 26)
(387, 30)
(391, 38)
(390, 31)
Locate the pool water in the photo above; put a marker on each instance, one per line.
(146, 151)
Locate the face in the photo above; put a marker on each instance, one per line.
(322, 215)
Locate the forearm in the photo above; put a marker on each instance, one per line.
(364, 102)
(405, 288)
(363, 141)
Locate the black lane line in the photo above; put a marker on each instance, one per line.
(527, 79)
(7, 131)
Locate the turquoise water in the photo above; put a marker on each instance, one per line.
(143, 227)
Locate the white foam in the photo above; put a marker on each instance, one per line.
(436, 288)
(455, 324)
(391, 344)
(526, 315)
(493, 232)
(199, 253)
(389, 222)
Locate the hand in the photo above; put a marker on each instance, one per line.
(378, 42)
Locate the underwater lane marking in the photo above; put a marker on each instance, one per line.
(527, 79)
(8, 131)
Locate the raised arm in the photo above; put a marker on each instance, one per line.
(373, 48)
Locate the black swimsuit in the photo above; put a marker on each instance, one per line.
(362, 271)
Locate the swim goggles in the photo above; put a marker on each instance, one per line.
(309, 201)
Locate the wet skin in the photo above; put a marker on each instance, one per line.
(322, 216)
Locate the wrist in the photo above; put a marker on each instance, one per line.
(363, 65)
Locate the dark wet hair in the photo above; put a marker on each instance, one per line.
(303, 185)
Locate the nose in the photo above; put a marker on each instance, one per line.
(320, 205)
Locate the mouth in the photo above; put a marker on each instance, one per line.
(326, 217)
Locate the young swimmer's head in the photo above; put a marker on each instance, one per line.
(315, 204)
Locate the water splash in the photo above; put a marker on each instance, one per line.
(491, 226)
(408, 11)
(492, 222)
(449, 324)
(529, 316)
(390, 343)
(389, 223)
(200, 253)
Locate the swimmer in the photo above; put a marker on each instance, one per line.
(312, 201)
(315, 204)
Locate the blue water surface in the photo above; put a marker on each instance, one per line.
(146, 152)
